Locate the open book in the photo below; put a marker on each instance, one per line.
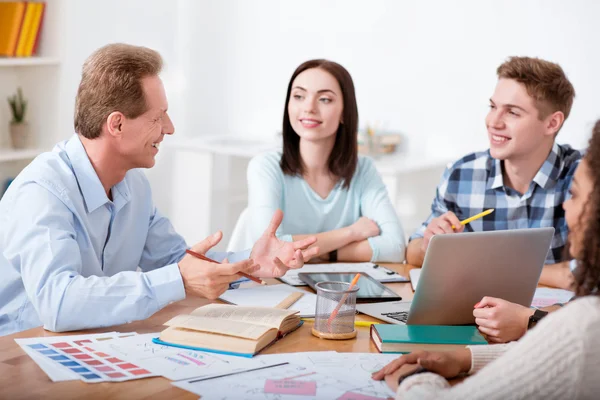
(229, 329)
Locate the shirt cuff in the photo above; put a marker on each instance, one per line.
(433, 382)
(167, 284)
(374, 249)
(482, 355)
(572, 265)
(417, 235)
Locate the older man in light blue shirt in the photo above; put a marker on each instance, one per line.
(77, 222)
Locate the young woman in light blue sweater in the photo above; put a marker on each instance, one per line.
(319, 181)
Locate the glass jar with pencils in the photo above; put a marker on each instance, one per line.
(336, 310)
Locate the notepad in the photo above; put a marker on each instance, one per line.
(414, 274)
(271, 296)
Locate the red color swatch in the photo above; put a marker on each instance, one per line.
(114, 360)
(71, 350)
(139, 372)
(128, 366)
(115, 374)
(61, 345)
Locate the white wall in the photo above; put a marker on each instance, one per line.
(425, 68)
(90, 24)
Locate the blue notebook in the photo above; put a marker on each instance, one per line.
(408, 338)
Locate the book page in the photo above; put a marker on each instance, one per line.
(220, 326)
(271, 317)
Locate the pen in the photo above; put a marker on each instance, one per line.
(200, 256)
(474, 217)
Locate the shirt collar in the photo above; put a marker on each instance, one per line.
(495, 179)
(92, 190)
(545, 177)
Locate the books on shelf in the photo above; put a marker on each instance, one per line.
(20, 26)
(228, 329)
(408, 338)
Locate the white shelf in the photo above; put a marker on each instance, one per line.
(17, 155)
(28, 61)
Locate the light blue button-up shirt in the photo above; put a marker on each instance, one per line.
(69, 255)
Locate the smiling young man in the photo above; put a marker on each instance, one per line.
(78, 221)
(525, 175)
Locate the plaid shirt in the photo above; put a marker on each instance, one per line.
(475, 183)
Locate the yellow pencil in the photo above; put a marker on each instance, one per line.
(356, 323)
(364, 323)
(474, 217)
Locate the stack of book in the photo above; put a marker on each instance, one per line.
(20, 23)
(409, 338)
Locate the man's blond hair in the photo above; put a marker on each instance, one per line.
(111, 80)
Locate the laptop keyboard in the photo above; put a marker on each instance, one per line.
(401, 316)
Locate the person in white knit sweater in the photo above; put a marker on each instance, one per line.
(559, 358)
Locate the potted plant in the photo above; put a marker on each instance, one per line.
(19, 131)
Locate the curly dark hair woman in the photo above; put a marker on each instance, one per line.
(559, 358)
(587, 254)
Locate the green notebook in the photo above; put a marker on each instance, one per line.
(408, 338)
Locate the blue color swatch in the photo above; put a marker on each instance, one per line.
(58, 358)
(80, 370)
(90, 376)
(70, 363)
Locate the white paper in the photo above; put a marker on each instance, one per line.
(58, 372)
(314, 375)
(270, 296)
(546, 297)
(414, 274)
(172, 362)
(378, 273)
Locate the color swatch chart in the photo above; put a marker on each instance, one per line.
(82, 361)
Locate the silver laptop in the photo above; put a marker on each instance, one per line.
(459, 270)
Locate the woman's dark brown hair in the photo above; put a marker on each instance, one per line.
(587, 274)
(344, 156)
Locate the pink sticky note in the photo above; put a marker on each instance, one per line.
(289, 386)
(358, 396)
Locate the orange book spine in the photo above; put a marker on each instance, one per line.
(17, 25)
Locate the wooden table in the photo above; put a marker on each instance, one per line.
(21, 378)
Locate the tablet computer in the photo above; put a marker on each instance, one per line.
(370, 291)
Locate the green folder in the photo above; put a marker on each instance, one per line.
(408, 338)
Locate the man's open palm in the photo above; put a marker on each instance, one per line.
(276, 256)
